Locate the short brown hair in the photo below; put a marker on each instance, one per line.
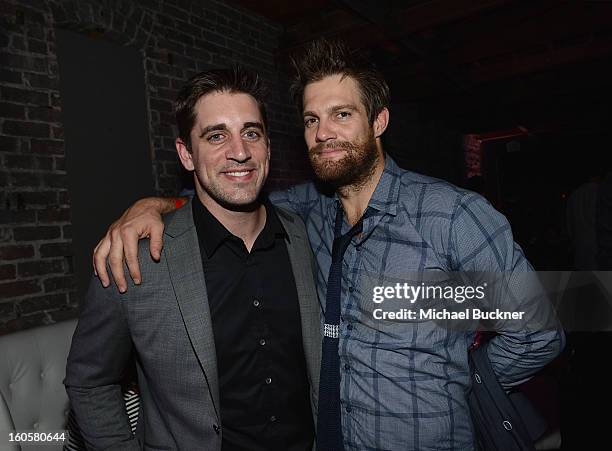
(323, 58)
(233, 80)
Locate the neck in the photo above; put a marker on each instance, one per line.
(355, 198)
(245, 223)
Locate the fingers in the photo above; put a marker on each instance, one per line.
(141, 220)
(118, 240)
(99, 260)
(155, 240)
(130, 239)
(115, 260)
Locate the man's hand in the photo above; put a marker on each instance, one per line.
(141, 220)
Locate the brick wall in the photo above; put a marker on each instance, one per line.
(178, 38)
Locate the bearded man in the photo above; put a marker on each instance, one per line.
(383, 384)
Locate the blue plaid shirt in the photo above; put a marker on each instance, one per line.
(404, 384)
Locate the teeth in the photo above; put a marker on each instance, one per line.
(238, 174)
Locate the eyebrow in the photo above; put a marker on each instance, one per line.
(258, 125)
(212, 128)
(333, 109)
(219, 127)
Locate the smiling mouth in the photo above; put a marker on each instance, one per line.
(239, 173)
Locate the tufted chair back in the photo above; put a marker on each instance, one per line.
(32, 370)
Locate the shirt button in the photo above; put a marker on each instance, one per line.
(347, 367)
(350, 326)
(351, 289)
(268, 380)
(348, 408)
(256, 303)
(262, 342)
(216, 428)
(273, 419)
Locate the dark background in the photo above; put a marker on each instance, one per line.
(86, 91)
(86, 127)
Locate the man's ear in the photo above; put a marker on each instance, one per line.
(184, 154)
(380, 122)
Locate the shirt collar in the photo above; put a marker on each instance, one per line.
(386, 194)
(208, 226)
(274, 227)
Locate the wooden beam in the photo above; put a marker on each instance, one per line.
(525, 64)
(591, 79)
(492, 25)
(568, 21)
(422, 16)
(329, 23)
(398, 24)
(380, 24)
(386, 24)
(283, 12)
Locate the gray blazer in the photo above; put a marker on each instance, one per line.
(166, 321)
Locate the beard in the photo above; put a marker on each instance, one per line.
(353, 170)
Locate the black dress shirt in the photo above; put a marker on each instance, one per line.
(253, 302)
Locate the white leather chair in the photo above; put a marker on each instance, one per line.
(32, 370)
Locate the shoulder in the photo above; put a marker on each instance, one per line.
(290, 220)
(441, 211)
(310, 193)
(177, 224)
(428, 193)
(432, 202)
(294, 227)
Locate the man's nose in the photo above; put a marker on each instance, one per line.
(325, 131)
(238, 150)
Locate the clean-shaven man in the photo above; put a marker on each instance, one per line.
(225, 332)
(384, 384)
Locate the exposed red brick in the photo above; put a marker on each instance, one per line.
(7, 272)
(55, 250)
(40, 267)
(19, 288)
(15, 252)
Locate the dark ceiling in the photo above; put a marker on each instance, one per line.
(517, 61)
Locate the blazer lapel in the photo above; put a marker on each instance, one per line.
(187, 275)
(301, 259)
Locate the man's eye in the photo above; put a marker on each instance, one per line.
(252, 135)
(343, 114)
(309, 122)
(215, 137)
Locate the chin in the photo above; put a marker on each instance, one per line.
(234, 197)
(244, 202)
(330, 170)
